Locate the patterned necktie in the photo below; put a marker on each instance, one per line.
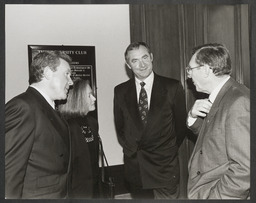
(143, 104)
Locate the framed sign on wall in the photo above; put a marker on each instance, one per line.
(83, 63)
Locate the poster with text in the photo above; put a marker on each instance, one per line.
(82, 66)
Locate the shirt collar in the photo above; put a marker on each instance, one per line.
(149, 80)
(215, 92)
(47, 98)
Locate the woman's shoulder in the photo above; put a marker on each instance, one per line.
(92, 122)
(90, 118)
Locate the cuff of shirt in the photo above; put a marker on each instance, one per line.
(190, 120)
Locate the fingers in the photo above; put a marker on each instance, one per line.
(200, 108)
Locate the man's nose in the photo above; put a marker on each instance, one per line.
(93, 98)
(70, 81)
(142, 63)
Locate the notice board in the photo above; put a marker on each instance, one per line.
(82, 65)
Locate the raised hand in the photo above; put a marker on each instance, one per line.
(200, 108)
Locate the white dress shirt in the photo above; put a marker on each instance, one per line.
(148, 87)
(47, 98)
(212, 97)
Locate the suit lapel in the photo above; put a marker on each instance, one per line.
(58, 123)
(216, 103)
(132, 106)
(209, 118)
(222, 92)
(158, 97)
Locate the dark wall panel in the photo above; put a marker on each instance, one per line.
(173, 30)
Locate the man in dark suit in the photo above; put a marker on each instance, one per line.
(219, 167)
(150, 121)
(36, 139)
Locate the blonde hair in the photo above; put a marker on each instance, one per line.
(76, 104)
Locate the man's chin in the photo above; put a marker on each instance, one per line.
(198, 89)
(63, 97)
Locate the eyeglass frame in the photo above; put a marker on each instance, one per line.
(189, 69)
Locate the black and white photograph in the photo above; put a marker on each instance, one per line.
(127, 100)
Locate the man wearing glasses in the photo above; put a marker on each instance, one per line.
(219, 167)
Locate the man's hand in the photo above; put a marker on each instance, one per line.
(200, 108)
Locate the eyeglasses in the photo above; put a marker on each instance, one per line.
(189, 69)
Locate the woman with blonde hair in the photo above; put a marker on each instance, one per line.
(84, 138)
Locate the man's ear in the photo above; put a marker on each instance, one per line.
(47, 73)
(128, 65)
(207, 70)
(151, 56)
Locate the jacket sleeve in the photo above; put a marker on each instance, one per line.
(128, 149)
(19, 137)
(196, 127)
(235, 184)
(180, 115)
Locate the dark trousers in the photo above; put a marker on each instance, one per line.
(139, 193)
(156, 193)
(166, 193)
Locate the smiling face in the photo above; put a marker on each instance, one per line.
(140, 62)
(60, 81)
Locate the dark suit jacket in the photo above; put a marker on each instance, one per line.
(84, 165)
(219, 166)
(150, 153)
(36, 148)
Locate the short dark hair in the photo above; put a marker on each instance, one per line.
(136, 45)
(216, 56)
(44, 59)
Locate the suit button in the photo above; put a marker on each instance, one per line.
(198, 173)
(61, 155)
(201, 152)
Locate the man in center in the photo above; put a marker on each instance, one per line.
(150, 120)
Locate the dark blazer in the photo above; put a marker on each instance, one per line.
(84, 165)
(36, 148)
(151, 153)
(219, 166)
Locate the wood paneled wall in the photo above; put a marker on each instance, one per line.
(173, 30)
